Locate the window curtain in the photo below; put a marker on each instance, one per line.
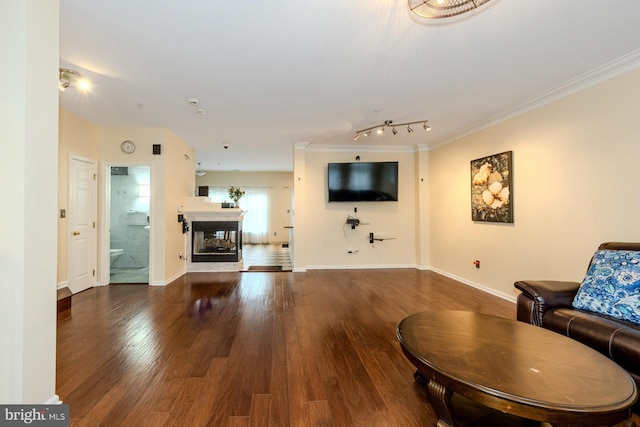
(256, 221)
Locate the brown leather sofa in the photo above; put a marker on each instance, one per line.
(547, 303)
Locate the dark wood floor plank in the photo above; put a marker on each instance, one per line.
(253, 349)
(279, 405)
(259, 414)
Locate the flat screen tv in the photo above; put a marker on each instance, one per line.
(363, 182)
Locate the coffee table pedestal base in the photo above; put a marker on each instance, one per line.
(441, 401)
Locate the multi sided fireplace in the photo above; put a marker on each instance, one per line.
(216, 241)
(213, 235)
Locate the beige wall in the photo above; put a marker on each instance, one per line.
(575, 178)
(172, 180)
(179, 183)
(280, 185)
(327, 239)
(422, 207)
(79, 138)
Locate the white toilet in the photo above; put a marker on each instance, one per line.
(114, 254)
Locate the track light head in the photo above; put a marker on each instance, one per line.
(357, 137)
(367, 133)
(426, 127)
(394, 130)
(409, 129)
(380, 130)
(66, 76)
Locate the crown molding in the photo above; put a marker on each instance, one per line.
(586, 80)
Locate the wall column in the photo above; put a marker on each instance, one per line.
(29, 48)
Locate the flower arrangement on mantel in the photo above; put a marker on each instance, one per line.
(236, 194)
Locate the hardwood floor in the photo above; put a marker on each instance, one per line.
(253, 349)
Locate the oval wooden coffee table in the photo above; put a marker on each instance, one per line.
(515, 368)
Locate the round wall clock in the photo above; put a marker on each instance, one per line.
(128, 147)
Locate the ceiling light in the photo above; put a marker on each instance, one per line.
(438, 9)
(389, 123)
(201, 111)
(66, 77)
(200, 172)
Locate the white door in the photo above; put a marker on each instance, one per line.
(82, 224)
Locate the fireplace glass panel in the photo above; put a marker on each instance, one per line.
(216, 241)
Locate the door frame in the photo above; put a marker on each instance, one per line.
(93, 257)
(105, 242)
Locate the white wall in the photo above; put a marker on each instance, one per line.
(575, 185)
(29, 49)
(327, 239)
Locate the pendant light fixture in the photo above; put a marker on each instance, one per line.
(438, 9)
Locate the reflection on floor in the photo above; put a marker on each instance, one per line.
(254, 257)
(129, 275)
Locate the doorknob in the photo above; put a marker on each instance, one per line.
(76, 233)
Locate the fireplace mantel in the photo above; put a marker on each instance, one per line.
(202, 207)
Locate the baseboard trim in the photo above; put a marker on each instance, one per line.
(63, 284)
(502, 295)
(360, 267)
(53, 400)
(169, 280)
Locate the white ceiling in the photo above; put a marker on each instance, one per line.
(272, 74)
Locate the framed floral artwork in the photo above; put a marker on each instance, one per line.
(492, 188)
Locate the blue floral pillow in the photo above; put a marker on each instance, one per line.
(612, 285)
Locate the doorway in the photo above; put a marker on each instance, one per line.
(129, 223)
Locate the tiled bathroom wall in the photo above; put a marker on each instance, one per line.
(130, 202)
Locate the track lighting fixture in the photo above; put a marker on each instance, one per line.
(389, 123)
(66, 77)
